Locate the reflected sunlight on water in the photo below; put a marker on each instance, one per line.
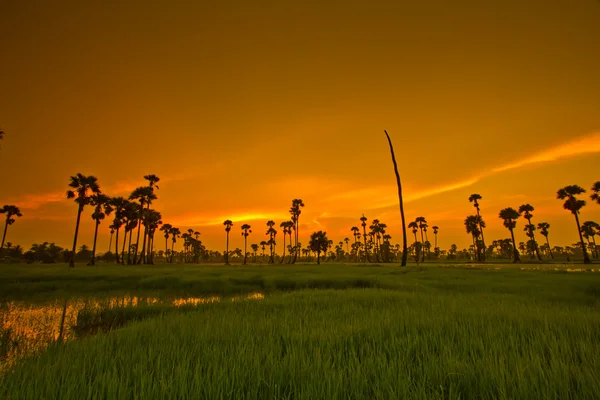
(28, 328)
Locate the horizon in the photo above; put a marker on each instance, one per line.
(241, 109)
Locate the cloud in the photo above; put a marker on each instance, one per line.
(208, 220)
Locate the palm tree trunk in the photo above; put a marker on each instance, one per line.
(129, 248)
(586, 258)
(227, 250)
(137, 242)
(245, 249)
(404, 245)
(166, 246)
(595, 247)
(422, 246)
(537, 250)
(549, 249)
(296, 248)
(283, 256)
(110, 242)
(72, 260)
(318, 256)
(143, 252)
(93, 260)
(151, 249)
(123, 250)
(516, 257)
(482, 237)
(172, 246)
(4, 235)
(117, 244)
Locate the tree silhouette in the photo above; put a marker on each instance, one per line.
(347, 240)
(474, 198)
(263, 245)
(84, 187)
(119, 205)
(510, 215)
(400, 200)
(526, 210)
(228, 224)
(254, 247)
(589, 229)
(573, 204)
(145, 195)
(318, 243)
(102, 208)
(287, 229)
(543, 228)
(422, 225)
(363, 220)
(152, 181)
(596, 195)
(152, 221)
(415, 228)
(472, 224)
(246, 231)
(166, 230)
(435, 233)
(175, 233)
(11, 211)
(295, 211)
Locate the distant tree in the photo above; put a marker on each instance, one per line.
(318, 243)
(510, 215)
(175, 233)
(245, 232)
(589, 229)
(166, 230)
(347, 240)
(152, 220)
(287, 229)
(145, 195)
(573, 204)
(543, 227)
(271, 242)
(295, 212)
(263, 244)
(254, 247)
(152, 184)
(472, 224)
(84, 187)
(526, 210)
(474, 198)
(102, 208)
(422, 225)
(415, 228)
(363, 220)
(228, 224)
(11, 212)
(435, 233)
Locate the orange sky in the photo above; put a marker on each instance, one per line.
(241, 106)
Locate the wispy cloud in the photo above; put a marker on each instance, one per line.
(212, 220)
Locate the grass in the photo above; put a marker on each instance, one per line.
(422, 333)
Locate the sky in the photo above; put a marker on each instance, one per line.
(240, 107)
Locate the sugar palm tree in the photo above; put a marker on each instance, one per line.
(145, 195)
(112, 232)
(347, 240)
(263, 244)
(422, 224)
(83, 187)
(11, 212)
(228, 224)
(596, 195)
(271, 242)
(245, 232)
(526, 210)
(254, 247)
(119, 205)
(573, 204)
(285, 227)
(472, 224)
(543, 228)
(166, 230)
(435, 233)
(474, 198)
(400, 200)
(102, 208)
(151, 223)
(295, 211)
(363, 220)
(152, 184)
(318, 243)
(589, 229)
(510, 215)
(175, 233)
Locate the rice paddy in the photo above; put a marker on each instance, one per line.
(328, 332)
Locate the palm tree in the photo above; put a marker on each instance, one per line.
(112, 232)
(526, 210)
(166, 229)
(271, 242)
(130, 216)
(572, 204)
(318, 243)
(175, 233)
(102, 208)
(435, 232)
(151, 223)
(474, 198)
(119, 205)
(363, 220)
(472, 224)
(415, 228)
(422, 225)
(596, 195)
(83, 187)
(228, 224)
(145, 195)
(589, 229)
(347, 240)
(254, 247)
(263, 245)
(152, 180)
(246, 231)
(295, 211)
(10, 211)
(510, 215)
(404, 245)
(543, 227)
(285, 227)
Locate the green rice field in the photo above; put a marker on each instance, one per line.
(328, 331)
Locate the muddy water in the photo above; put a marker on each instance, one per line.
(28, 329)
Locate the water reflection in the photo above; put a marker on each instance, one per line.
(28, 329)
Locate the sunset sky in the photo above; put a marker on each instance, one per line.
(241, 106)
